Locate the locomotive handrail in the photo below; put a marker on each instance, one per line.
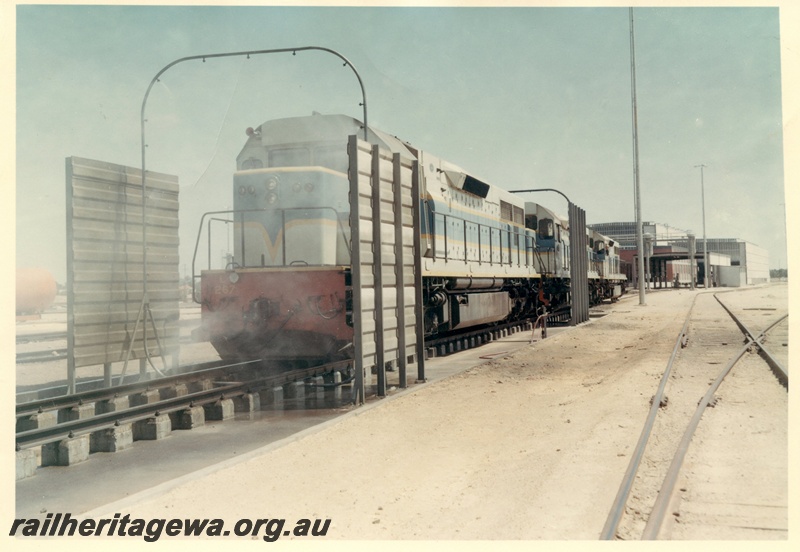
(242, 212)
(208, 230)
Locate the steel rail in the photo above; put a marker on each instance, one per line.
(777, 368)
(657, 514)
(745, 330)
(43, 336)
(29, 357)
(41, 356)
(38, 393)
(618, 507)
(617, 510)
(436, 342)
(656, 517)
(77, 399)
(75, 428)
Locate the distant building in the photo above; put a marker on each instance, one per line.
(624, 233)
(749, 263)
(752, 260)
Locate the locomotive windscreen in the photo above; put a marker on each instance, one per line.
(332, 157)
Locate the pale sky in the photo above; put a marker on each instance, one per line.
(519, 97)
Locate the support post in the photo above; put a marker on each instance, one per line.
(419, 307)
(355, 272)
(692, 260)
(377, 270)
(400, 272)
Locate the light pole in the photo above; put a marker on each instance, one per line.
(648, 258)
(705, 242)
(637, 200)
(692, 261)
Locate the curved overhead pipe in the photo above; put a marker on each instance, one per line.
(144, 308)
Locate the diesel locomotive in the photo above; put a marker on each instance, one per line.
(488, 256)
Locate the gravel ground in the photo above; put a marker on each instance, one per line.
(531, 445)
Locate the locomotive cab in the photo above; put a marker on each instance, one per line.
(552, 240)
(282, 294)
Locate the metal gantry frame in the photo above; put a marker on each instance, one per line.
(144, 308)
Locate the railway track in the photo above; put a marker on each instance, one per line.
(30, 357)
(52, 422)
(41, 336)
(443, 346)
(705, 342)
(49, 417)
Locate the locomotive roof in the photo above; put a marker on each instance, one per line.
(318, 127)
(538, 207)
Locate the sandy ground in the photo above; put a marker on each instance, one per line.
(530, 445)
(736, 478)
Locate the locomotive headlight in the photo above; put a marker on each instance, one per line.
(309, 187)
(272, 183)
(297, 187)
(272, 197)
(242, 190)
(251, 190)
